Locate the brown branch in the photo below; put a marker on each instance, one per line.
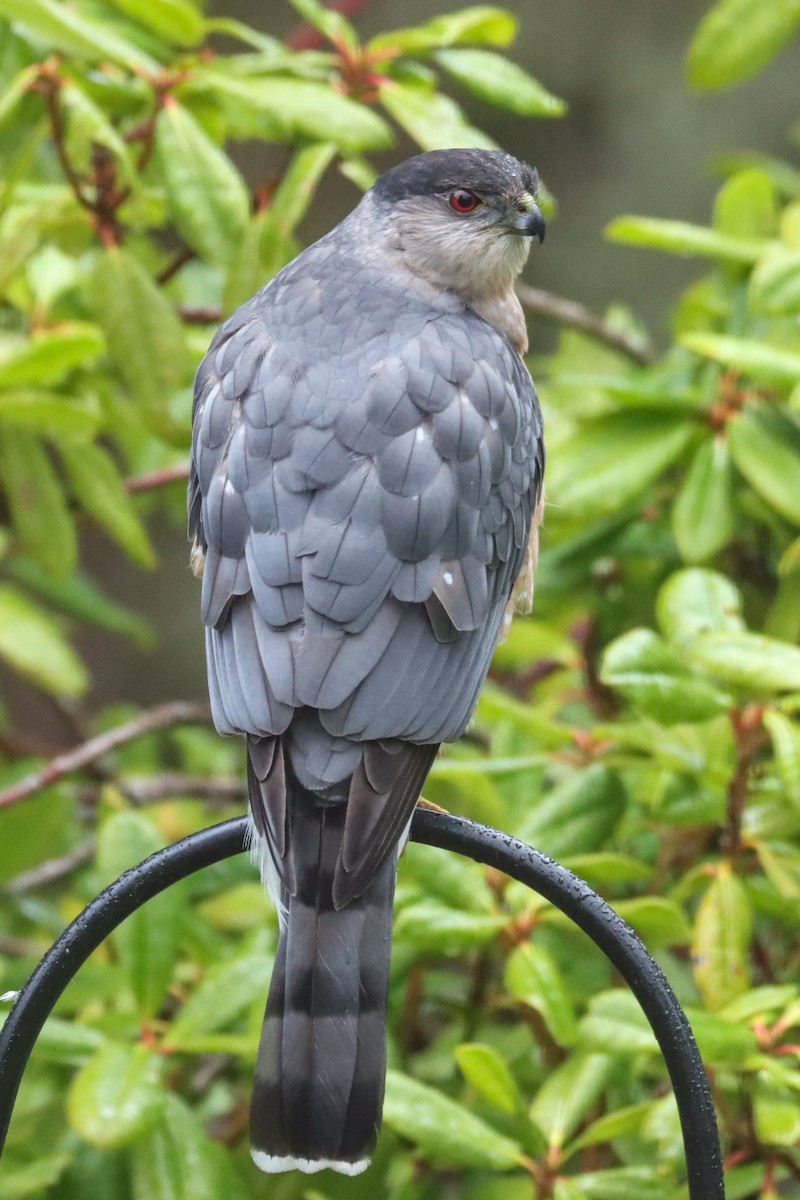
(171, 269)
(49, 87)
(200, 316)
(146, 789)
(576, 316)
(178, 712)
(157, 479)
(50, 871)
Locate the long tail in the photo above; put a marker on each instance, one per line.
(321, 1064)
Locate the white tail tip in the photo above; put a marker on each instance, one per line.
(273, 1164)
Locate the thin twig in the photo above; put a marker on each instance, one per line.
(178, 712)
(157, 479)
(146, 789)
(49, 87)
(576, 316)
(200, 316)
(171, 269)
(50, 871)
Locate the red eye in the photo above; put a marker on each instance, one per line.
(463, 201)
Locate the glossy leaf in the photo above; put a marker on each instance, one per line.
(48, 357)
(785, 736)
(99, 487)
(623, 1122)
(486, 1070)
(147, 940)
(284, 109)
(777, 1113)
(737, 38)
(610, 462)
(532, 976)
(702, 515)
(31, 1179)
(615, 1019)
(176, 21)
(41, 518)
(745, 205)
(81, 597)
(177, 1160)
(568, 1093)
(478, 26)
(32, 644)
(49, 414)
(444, 1132)
(144, 336)
(655, 679)
(63, 27)
(433, 120)
(227, 991)
(766, 448)
(748, 660)
(681, 237)
(721, 940)
(578, 814)
(751, 357)
(433, 927)
(328, 21)
(775, 283)
(207, 196)
(697, 601)
(499, 81)
(116, 1095)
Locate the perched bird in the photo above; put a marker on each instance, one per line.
(367, 464)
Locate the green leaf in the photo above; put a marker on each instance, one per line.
(432, 927)
(67, 1042)
(433, 120)
(144, 336)
(657, 920)
(283, 110)
(49, 413)
(775, 283)
(51, 355)
(177, 21)
(81, 597)
(207, 197)
(737, 38)
(333, 25)
(615, 1183)
(116, 1095)
(765, 445)
(610, 461)
(476, 26)
(776, 1111)
(785, 737)
(681, 237)
(100, 489)
(721, 1042)
(568, 1093)
(615, 1019)
(444, 1131)
(34, 1178)
(695, 601)
(758, 359)
(721, 940)
(748, 660)
(177, 1160)
(87, 125)
(483, 1067)
(147, 940)
(42, 520)
(745, 205)
(62, 27)
(578, 814)
(32, 644)
(532, 976)
(702, 515)
(499, 81)
(228, 990)
(439, 874)
(655, 679)
(624, 1122)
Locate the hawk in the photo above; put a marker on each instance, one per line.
(367, 464)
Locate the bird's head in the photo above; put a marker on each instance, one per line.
(463, 220)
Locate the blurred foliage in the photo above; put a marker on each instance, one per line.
(642, 727)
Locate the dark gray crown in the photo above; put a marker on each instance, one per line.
(487, 172)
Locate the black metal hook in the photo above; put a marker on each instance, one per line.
(479, 842)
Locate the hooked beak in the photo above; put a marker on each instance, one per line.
(529, 224)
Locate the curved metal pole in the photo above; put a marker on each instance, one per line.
(558, 885)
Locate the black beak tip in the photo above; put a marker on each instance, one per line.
(536, 225)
